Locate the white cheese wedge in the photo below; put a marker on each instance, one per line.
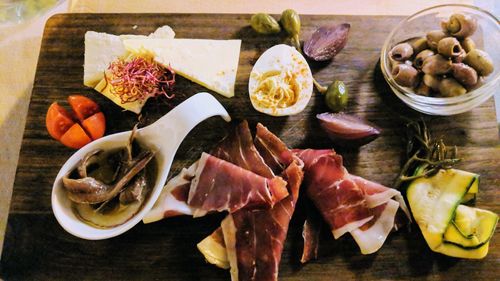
(104, 88)
(210, 63)
(101, 49)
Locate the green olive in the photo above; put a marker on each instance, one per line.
(468, 44)
(449, 87)
(290, 21)
(418, 44)
(432, 81)
(433, 37)
(449, 47)
(453, 25)
(423, 90)
(264, 23)
(480, 61)
(460, 26)
(336, 96)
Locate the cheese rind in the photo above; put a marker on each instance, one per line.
(210, 63)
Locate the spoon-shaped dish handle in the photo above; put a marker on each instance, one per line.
(164, 137)
(166, 134)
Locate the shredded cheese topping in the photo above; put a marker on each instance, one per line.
(277, 89)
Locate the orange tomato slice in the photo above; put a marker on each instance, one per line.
(95, 125)
(83, 106)
(75, 137)
(58, 121)
(62, 126)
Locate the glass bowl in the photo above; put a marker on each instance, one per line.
(486, 37)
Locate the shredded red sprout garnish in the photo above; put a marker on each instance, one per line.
(139, 78)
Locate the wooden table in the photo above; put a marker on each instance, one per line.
(37, 247)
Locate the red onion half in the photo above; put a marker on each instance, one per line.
(326, 42)
(347, 130)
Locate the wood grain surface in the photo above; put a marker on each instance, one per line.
(37, 248)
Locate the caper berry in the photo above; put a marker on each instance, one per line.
(290, 21)
(336, 96)
(264, 23)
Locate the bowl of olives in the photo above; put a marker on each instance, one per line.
(443, 60)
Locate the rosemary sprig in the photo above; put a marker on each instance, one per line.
(422, 149)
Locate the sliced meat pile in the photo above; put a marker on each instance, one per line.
(348, 203)
(233, 176)
(257, 181)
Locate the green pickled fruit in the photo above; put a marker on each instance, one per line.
(264, 24)
(290, 21)
(336, 96)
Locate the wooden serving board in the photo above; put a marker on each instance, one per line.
(36, 247)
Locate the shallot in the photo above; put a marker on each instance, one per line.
(347, 130)
(327, 41)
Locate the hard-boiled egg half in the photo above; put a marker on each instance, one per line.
(281, 82)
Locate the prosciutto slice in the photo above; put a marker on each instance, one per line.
(275, 153)
(341, 202)
(237, 148)
(349, 203)
(219, 185)
(254, 239)
(310, 235)
(173, 198)
(371, 236)
(378, 194)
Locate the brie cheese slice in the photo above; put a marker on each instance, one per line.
(210, 63)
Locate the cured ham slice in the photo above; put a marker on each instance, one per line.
(237, 148)
(371, 236)
(378, 194)
(341, 202)
(214, 249)
(310, 234)
(275, 153)
(310, 156)
(219, 185)
(349, 203)
(254, 239)
(173, 198)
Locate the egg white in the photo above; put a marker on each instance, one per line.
(282, 57)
